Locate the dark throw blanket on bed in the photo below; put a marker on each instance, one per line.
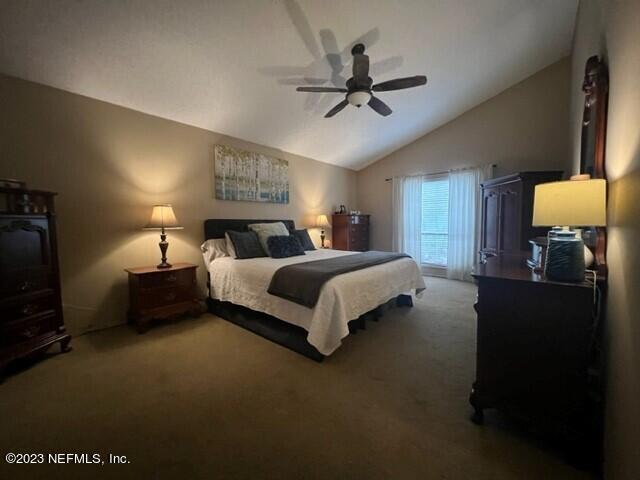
(301, 283)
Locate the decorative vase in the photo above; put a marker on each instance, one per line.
(588, 257)
(588, 254)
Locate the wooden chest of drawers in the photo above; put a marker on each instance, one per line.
(539, 354)
(30, 302)
(162, 293)
(350, 232)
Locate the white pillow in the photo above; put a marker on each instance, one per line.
(214, 248)
(231, 250)
(266, 230)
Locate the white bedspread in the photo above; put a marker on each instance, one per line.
(342, 299)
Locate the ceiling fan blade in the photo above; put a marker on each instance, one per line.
(321, 89)
(400, 83)
(361, 68)
(336, 109)
(379, 106)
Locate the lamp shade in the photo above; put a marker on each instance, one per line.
(322, 221)
(570, 203)
(162, 216)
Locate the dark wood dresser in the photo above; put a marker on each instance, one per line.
(507, 211)
(162, 293)
(350, 232)
(538, 352)
(30, 301)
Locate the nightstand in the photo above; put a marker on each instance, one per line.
(162, 293)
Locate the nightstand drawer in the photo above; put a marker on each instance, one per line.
(160, 297)
(27, 328)
(178, 278)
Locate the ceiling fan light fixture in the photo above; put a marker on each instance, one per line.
(359, 98)
(359, 88)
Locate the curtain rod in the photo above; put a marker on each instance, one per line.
(493, 165)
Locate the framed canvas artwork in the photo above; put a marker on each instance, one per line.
(249, 176)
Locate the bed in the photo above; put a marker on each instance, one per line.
(238, 293)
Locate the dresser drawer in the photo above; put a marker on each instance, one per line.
(19, 281)
(355, 232)
(359, 236)
(362, 229)
(25, 329)
(359, 245)
(177, 278)
(161, 297)
(27, 305)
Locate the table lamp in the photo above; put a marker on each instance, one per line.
(571, 203)
(322, 222)
(163, 218)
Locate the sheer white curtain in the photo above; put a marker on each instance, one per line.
(407, 216)
(464, 220)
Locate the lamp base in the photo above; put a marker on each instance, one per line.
(565, 258)
(164, 245)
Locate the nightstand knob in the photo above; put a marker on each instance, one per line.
(170, 296)
(25, 286)
(171, 278)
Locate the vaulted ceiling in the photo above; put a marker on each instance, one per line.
(232, 66)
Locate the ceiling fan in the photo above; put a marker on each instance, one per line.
(360, 87)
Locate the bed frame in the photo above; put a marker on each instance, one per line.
(267, 326)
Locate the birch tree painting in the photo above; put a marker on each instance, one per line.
(249, 176)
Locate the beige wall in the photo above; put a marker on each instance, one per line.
(611, 29)
(523, 128)
(110, 165)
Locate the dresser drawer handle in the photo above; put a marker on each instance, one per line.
(29, 309)
(25, 286)
(171, 278)
(31, 332)
(170, 296)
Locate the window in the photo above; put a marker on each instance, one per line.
(435, 221)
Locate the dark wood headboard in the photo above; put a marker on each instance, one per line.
(215, 227)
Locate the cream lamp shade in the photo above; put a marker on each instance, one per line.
(322, 221)
(570, 203)
(163, 218)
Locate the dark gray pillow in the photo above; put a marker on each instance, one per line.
(266, 230)
(304, 238)
(283, 246)
(246, 244)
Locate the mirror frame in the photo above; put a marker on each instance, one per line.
(596, 89)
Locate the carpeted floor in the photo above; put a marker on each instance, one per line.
(202, 398)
